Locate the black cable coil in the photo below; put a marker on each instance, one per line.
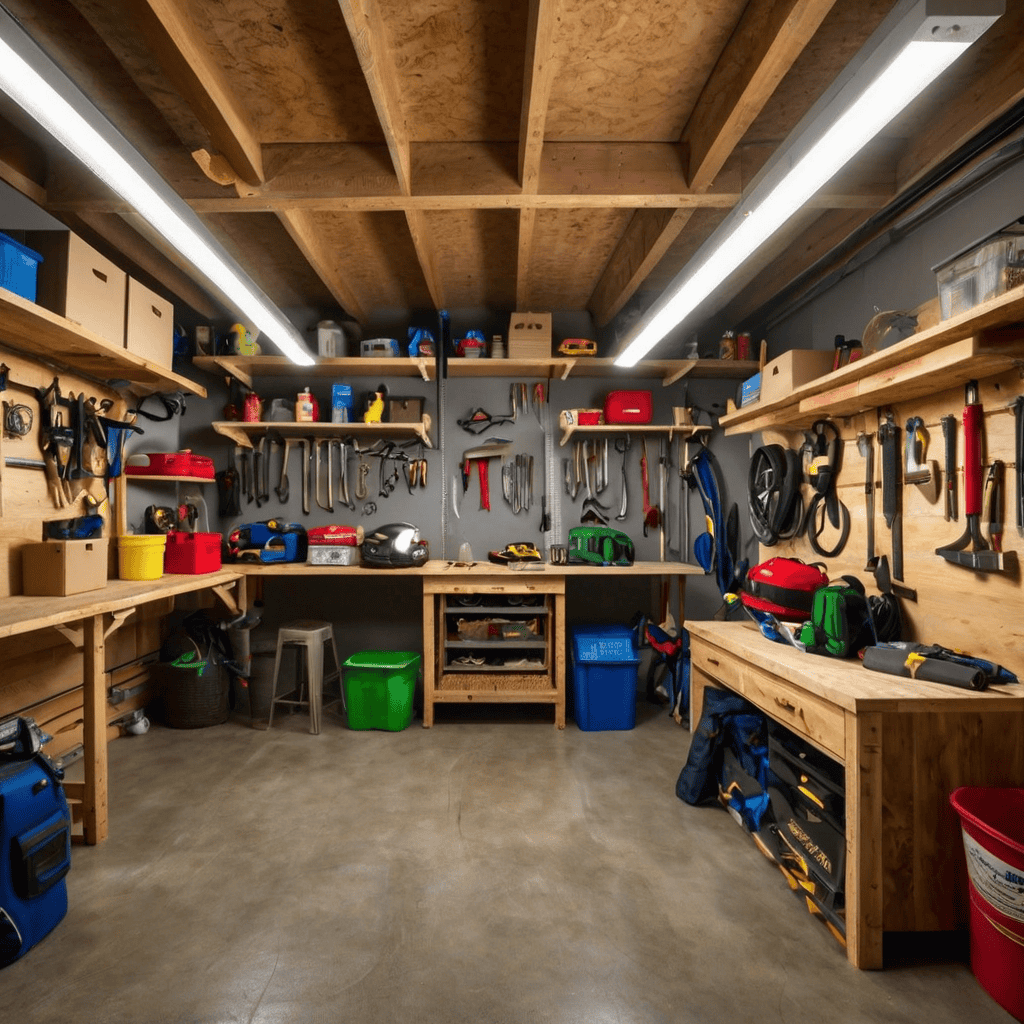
(774, 503)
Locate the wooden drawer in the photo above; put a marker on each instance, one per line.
(824, 724)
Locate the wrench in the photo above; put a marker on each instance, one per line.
(282, 488)
(305, 446)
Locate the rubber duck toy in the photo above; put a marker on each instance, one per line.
(375, 413)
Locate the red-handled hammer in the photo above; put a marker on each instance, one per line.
(980, 557)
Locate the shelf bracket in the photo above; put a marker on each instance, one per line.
(224, 593)
(77, 636)
(683, 371)
(424, 366)
(567, 367)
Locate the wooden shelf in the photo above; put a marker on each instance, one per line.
(31, 330)
(975, 344)
(243, 433)
(169, 479)
(249, 368)
(607, 429)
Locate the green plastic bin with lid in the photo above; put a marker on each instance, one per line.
(379, 687)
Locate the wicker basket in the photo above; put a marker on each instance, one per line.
(193, 699)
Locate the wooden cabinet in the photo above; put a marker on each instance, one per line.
(522, 661)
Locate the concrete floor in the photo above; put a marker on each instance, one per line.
(488, 870)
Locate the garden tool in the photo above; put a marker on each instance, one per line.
(888, 441)
(305, 445)
(917, 469)
(980, 557)
(282, 490)
(949, 433)
(492, 448)
(318, 459)
(652, 514)
(865, 449)
(623, 444)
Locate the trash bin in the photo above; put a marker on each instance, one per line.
(379, 687)
(605, 666)
(993, 831)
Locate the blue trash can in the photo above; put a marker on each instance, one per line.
(605, 666)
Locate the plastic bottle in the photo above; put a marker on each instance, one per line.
(727, 346)
(307, 409)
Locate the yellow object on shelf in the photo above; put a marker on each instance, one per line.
(141, 558)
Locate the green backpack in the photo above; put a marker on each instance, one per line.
(840, 623)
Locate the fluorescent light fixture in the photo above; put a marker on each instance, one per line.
(42, 90)
(915, 44)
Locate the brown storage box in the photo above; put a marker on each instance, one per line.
(76, 282)
(797, 366)
(529, 336)
(149, 325)
(405, 410)
(56, 568)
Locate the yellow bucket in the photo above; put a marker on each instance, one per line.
(141, 558)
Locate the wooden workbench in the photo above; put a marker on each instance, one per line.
(905, 746)
(440, 579)
(87, 620)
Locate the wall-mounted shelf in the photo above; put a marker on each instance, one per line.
(247, 369)
(34, 331)
(975, 344)
(243, 433)
(617, 429)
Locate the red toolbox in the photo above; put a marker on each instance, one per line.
(170, 464)
(192, 554)
(628, 407)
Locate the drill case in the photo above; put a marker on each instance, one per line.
(35, 830)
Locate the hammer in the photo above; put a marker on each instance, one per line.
(980, 557)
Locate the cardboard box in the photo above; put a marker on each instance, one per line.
(77, 283)
(782, 376)
(149, 325)
(404, 409)
(529, 336)
(56, 568)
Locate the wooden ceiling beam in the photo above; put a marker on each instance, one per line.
(770, 36)
(202, 83)
(538, 75)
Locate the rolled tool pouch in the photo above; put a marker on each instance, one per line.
(784, 587)
(921, 661)
(628, 407)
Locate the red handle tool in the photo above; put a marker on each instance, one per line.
(974, 459)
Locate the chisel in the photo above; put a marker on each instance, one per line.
(949, 433)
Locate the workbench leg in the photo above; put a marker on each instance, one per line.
(864, 867)
(559, 656)
(429, 666)
(94, 738)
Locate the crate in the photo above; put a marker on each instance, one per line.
(529, 336)
(605, 668)
(192, 554)
(983, 272)
(792, 369)
(379, 687)
(19, 266)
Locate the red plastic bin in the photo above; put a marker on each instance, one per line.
(191, 554)
(993, 831)
(170, 464)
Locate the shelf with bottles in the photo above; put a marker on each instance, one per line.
(242, 433)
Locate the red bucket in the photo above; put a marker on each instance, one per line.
(993, 830)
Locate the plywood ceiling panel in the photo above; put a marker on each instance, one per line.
(476, 256)
(632, 71)
(460, 67)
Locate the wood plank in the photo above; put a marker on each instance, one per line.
(542, 23)
(864, 862)
(766, 43)
(180, 51)
(94, 699)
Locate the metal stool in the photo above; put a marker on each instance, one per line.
(310, 634)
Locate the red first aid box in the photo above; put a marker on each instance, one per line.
(628, 407)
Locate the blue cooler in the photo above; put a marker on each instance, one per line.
(605, 665)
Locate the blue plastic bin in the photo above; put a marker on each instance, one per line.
(18, 267)
(604, 676)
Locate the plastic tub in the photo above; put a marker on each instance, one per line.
(19, 266)
(141, 557)
(993, 831)
(604, 675)
(192, 554)
(379, 687)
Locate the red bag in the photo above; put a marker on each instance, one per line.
(628, 407)
(784, 587)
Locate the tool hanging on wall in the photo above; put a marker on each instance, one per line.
(1018, 461)
(622, 445)
(652, 514)
(821, 472)
(980, 557)
(889, 442)
(993, 504)
(866, 450)
(918, 470)
(283, 488)
(228, 491)
(950, 483)
(305, 445)
(343, 491)
(492, 448)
